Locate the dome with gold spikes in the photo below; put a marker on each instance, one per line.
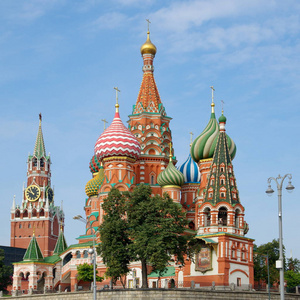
(93, 185)
(148, 46)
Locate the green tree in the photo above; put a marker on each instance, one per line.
(5, 273)
(156, 227)
(292, 278)
(114, 247)
(293, 264)
(260, 261)
(85, 273)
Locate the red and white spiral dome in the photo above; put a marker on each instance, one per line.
(117, 140)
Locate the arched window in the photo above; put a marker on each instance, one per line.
(222, 181)
(212, 180)
(78, 255)
(152, 179)
(25, 214)
(222, 216)
(206, 216)
(34, 162)
(85, 254)
(42, 213)
(67, 258)
(192, 225)
(42, 163)
(236, 218)
(33, 212)
(17, 214)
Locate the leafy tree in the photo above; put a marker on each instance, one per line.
(114, 236)
(5, 273)
(292, 278)
(156, 227)
(260, 261)
(86, 273)
(293, 264)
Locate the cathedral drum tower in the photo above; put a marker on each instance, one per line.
(226, 255)
(37, 214)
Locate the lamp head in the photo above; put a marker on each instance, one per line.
(269, 190)
(290, 187)
(91, 251)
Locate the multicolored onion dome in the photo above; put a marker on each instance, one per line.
(117, 140)
(95, 164)
(190, 171)
(93, 185)
(170, 176)
(204, 145)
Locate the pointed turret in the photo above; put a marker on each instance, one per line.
(39, 148)
(61, 244)
(148, 99)
(33, 252)
(221, 184)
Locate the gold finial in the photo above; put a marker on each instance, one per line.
(104, 120)
(191, 133)
(148, 47)
(33, 231)
(61, 227)
(222, 106)
(117, 99)
(170, 155)
(212, 99)
(40, 117)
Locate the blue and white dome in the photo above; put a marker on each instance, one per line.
(190, 171)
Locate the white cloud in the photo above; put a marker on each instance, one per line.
(109, 21)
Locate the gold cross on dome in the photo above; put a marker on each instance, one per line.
(222, 106)
(117, 90)
(104, 120)
(191, 133)
(212, 93)
(148, 23)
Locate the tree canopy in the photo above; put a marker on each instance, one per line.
(141, 227)
(85, 273)
(5, 273)
(115, 241)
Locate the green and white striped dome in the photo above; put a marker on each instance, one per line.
(204, 145)
(170, 176)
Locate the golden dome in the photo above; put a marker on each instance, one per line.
(148, 47)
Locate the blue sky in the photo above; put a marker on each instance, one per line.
(63, 58)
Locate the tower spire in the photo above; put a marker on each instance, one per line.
(39, 147)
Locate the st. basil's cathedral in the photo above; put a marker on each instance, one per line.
(124, 157)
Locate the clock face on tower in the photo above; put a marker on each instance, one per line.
(50, 194)
(33, 193)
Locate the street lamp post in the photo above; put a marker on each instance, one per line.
(279, 263)
(91, 251)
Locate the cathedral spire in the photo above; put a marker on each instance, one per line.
(39, 148)
(61, 244)
(221, 185)
(148, 100)
(33, 252)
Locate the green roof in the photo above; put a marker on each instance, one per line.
(39, 147)
(33, 252)
(61, 244)
(52, 259)
(168, 272)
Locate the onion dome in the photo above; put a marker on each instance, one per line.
(148, 47)
(190, 171)
(93, 185)
(170, 176)
(95, 164)
(204, 145)
(117, 140)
